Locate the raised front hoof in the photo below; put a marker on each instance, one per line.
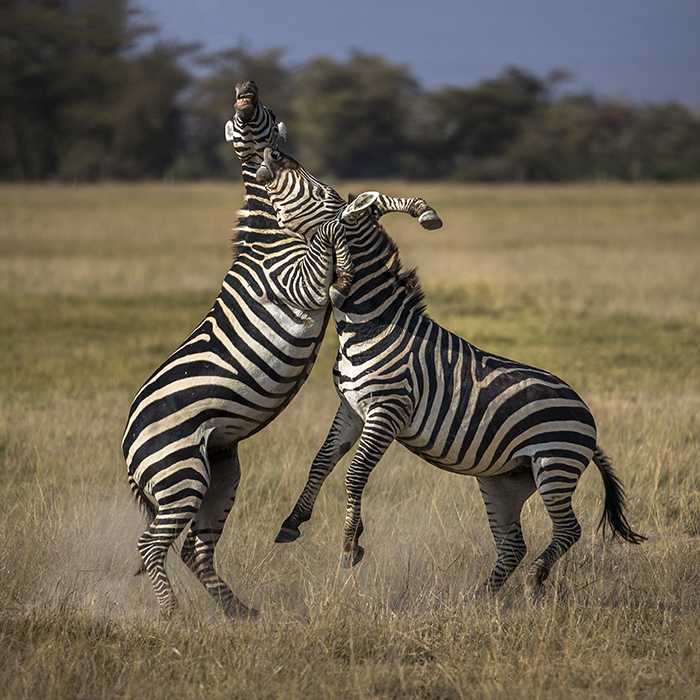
(287, 534)
(351, 559)
(430, 220)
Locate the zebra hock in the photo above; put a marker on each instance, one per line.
(401, 376)
(235, 373)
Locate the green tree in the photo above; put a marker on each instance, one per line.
(472, 127)
(581, 138)
(351, 119)
(210, 105)
(77, 100)
(664, 143)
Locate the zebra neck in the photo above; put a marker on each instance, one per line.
(256, 197)
(382, 291)
(377, 303)
(256, 220)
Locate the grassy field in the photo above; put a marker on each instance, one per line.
(600, 285)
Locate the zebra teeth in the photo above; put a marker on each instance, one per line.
(245, 100)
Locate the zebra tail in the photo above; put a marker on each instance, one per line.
(614, 509)
(147, 508)
(145, 504)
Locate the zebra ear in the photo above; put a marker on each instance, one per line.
(282, 131)
(358, 205)
(229, 130)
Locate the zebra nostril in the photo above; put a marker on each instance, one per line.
(275, 155)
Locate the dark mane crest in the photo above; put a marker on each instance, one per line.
(238, 239)
(408, 279)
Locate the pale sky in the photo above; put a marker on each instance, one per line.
(642, 50)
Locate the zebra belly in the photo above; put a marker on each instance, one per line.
(468, 444)
(480, 419)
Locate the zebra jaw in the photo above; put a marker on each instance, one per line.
(246, 100)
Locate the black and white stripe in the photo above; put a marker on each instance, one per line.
(401, 376)
(235, 373)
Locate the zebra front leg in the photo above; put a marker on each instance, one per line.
(207, 527)
(556, 481)
(504, 496)
(379, 432)
(309, 282)
(414, 206)
(344, 267)
(344, 432)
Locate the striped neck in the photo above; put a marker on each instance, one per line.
(381, 287)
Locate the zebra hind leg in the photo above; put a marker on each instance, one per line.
(504, 496)
(344, 432)
(153, 545)
(207, 527)
(556, 481)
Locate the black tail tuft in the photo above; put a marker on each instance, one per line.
(145, 503)
(148, 509)
(614, 510)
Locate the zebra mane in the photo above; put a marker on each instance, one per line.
(406, 279)
(238, 238)
(252, 224)
(257, 214)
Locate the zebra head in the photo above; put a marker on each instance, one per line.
(253, 127)
(247, 100)
(302, 202)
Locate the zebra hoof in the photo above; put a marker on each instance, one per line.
(287, 534)
(535, 595)
(238, 611)
(479, 592)
(351, 559)
(430, 220)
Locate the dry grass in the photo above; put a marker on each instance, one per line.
(600, 285)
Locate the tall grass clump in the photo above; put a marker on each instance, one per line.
(599, 285)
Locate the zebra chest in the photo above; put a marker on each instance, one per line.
(367, 391)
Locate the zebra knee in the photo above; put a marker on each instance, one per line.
(187, 553)
(152, 550)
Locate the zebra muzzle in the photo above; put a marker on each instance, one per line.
(263, 176)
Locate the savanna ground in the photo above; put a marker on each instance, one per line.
(600, 285)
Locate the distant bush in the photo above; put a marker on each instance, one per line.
(81, 99)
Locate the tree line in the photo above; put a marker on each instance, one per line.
(89, 91)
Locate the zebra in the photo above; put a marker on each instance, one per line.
(231, 377)
(401, 376)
